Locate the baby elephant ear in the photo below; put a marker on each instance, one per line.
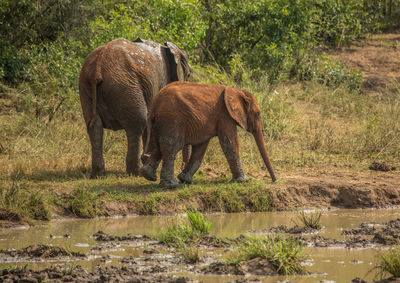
(235, 102)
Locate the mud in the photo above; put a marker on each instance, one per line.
(255, 266)
(288, 230)
(41, 251)
(66, 273)
(9, 219)
(101, 236)
(387, 233)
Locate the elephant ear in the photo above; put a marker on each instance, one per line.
(177, 59)
(236, 103)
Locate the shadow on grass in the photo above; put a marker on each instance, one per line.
(79, 173)
(128, 189)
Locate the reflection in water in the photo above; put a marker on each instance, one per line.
(336, 264)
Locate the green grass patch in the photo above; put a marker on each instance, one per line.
(23, 203)
(285, 254)
(198, 222)
(180, 234)
(84, 203)
(389, 263)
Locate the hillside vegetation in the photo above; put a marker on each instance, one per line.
(317, 115)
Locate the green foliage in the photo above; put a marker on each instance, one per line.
(389, 263)
(198, 222)
(311, 220)
(84, 203)
(285, 254)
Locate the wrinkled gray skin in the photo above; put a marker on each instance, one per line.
(116, 86)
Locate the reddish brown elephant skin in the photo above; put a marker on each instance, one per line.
(116, 86)
(189, 113)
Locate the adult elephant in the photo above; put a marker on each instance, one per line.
(116, 86)
(188, 113)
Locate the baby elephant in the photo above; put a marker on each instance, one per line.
(188, 113)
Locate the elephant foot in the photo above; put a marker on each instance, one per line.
(168, 184)
(148, 173)
(240, 179)
(97, 173)
(185, 178)
(145, 157)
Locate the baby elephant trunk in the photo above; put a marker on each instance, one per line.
(258, 136)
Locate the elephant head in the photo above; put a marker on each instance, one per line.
(244, 109)
(178, 62)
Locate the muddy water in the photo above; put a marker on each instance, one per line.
(336, 264)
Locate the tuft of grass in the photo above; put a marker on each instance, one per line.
(190, 253)
(184, 233)
(198, 222)
(389, 263)
(22, 204)
(84, 203)
(285, 254)
(311, 220)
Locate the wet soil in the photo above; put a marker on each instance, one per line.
(9, 219)
(364, 236)
(40, 251)
(387, 233)
(66, 273)
(255, 266)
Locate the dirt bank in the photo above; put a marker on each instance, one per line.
(339, 190)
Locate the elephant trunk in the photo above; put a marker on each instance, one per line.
(258, 136)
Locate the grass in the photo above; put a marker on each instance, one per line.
(20, 204)
(311, 219)
(389, 263)
(198, 222)
(180, 234)
(285, 254)
(184, 236)
(307, 126)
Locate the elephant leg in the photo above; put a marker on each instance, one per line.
(95, 132)
(230, 147)
(149, 170)
(198, 151)
(146, 147)
(186, 155)
(169, 148)
(133, 163)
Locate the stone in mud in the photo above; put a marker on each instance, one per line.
(381, 166)
(150, 251)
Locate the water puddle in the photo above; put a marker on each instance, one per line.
(336, 264)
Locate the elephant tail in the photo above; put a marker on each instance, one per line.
(93, 110)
